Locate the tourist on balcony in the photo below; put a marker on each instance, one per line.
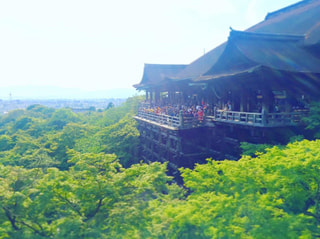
(229, 107)
(200, 114)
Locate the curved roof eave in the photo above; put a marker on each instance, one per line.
(279, 51)
(201, 65)
(230, 74)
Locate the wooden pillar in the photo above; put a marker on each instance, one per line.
(267, 100)
(157, 96)
(170, 97)
(179, 145)
(288, 107)
(151, 97)
(168, 141)
(244, 101)
(181, 118)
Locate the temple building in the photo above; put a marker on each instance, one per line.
(252, 88)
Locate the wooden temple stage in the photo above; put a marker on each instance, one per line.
(185, 140)
(256, 87)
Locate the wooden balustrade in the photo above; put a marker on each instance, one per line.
(237, 117)
(259, 119)
(177, 122)
(161, 119)
(234, 117)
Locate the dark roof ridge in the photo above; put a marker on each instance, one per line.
(288, 8)
(234, 34)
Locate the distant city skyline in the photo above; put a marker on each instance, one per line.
(80, 105)
(56, 92)
(103, 45)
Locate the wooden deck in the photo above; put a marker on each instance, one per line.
(167, 121)
(220, 116)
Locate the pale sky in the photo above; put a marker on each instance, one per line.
(97, 45)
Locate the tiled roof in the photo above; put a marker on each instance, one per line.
(287, 40)
(268, 43)
(157, 73)
(246, 50)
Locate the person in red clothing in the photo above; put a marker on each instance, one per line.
(200, 114)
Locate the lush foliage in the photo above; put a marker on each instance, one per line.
(60, 178)
(253, 149)
(275, 195)
(41, 137)
(312, 121)
(94, 198)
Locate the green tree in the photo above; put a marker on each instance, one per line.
(253, 149)
(6, 143)
(61, 141)
(122, 138)
(37, 110)
(95, 198)
(62, 117)
(312, 121)
(11, 116)
(113, 115)
(18, 217)
(110, 105)
(275, 195)
(23, 123)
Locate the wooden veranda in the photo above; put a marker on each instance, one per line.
(249, 119)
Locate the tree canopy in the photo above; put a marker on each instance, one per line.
(80, 177)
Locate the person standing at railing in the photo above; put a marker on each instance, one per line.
(229, 107)
(225, 108)
(189, 113)
(200, 115)
(158, 110)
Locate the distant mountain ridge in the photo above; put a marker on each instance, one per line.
(53, 92)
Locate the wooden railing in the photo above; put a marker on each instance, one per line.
(238, 117)
(292, 118)
(233, 117)
(259, 119)
(162, 119)
(177, 122)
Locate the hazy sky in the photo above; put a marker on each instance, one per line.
(104, 44)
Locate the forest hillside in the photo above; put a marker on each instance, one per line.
(68, 175)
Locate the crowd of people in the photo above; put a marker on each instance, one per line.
(195, 113)
(192, 111)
